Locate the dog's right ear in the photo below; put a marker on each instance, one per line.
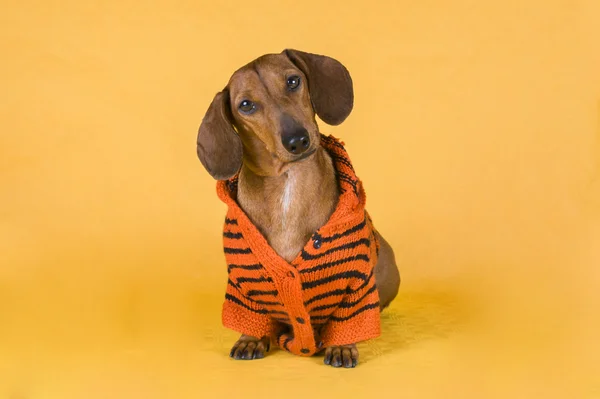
(218, 145)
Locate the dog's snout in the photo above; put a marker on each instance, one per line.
(296, 143)
(294, 136)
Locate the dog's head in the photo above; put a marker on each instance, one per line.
(265, 116)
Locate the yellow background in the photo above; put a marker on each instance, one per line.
(476, 133)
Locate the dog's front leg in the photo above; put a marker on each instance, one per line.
(344, 355)
(250, 348)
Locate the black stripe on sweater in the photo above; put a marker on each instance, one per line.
(356, 313)
(336, 262)
(286, 342)
(365, 283)
(320, 317)
(231, 283)
(338, 276)
(231, 221)
(343, 160)
(256, 301)
(353, 183)
(363, 241)
(229, 234)
(351, 230)
(331, 141)
(261, 279)
(324, 307)
(345, 304)
(233, 299)
(345, 177)
(256, 266)
(260, 292)
(324, 295)
(266, 303)
(237, 250)
(352, 304)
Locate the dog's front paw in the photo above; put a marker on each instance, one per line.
(249, 348)
(338, 356)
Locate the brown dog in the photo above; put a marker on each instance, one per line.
(262, 128)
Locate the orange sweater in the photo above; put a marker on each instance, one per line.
(327, 295)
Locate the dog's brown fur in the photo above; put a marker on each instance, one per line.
(286, 196)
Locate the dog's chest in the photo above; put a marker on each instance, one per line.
(288, 211)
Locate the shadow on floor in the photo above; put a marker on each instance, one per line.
(412, 318)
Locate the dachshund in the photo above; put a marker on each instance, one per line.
(260, 132)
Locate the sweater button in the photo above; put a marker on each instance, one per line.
(317, 243)
(300, 320)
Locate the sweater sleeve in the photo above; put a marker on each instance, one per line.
(244, 315)
(357, 317)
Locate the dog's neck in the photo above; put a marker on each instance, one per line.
(289, 208)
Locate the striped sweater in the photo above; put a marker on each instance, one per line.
(327, 295)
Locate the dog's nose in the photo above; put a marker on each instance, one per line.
(296, 143)
(294, 136)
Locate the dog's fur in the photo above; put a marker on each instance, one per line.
(287, 196)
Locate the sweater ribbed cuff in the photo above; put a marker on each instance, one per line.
(246, 321)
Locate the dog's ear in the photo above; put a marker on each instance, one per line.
(218, 145)
(329, 83)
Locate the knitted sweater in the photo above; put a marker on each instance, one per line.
(327, 295)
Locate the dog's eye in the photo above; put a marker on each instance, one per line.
(247, 107)
(293, 82)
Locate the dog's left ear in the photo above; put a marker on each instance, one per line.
(329, 83)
